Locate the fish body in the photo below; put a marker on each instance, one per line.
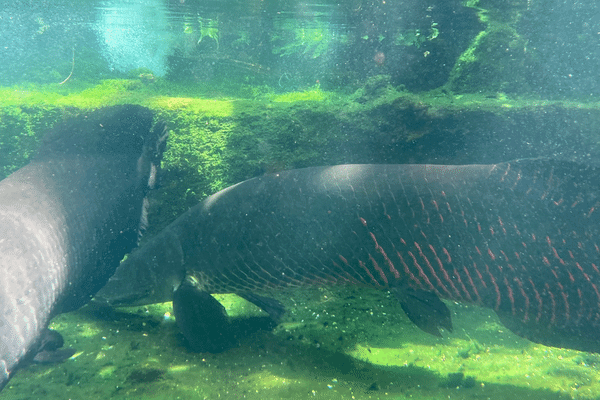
(519, 237)
(68, 218)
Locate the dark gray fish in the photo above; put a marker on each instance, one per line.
(520, 237)
(67, 220)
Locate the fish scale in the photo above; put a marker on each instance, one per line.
(518, 237)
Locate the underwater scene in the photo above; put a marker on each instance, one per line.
(279, 199)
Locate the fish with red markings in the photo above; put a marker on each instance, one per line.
(519, 237)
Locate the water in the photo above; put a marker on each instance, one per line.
(289, 44)
(134, 34)
(256, 86)
(285, 44)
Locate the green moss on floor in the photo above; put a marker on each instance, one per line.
(335, 343)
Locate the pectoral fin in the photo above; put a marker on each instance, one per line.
(271, 306)
(201, 319)
(51, 350)
(424, 309)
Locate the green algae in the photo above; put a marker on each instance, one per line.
(498, 57)
(217, 140)
(333, 343)
(315, 94)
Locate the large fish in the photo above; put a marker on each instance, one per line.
(520, 237)
(68, 218)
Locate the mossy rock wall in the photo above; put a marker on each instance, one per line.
(207, 153)
(216, 143)
(21, 129)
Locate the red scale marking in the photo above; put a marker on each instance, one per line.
(592, 209)
(510, 296)
(479, 275)
(571, 278)
(378, 268)
(581, 305)
(587, 278)
(492, 256)
(553, 316)
(498, 297)
(504, 255)
(502, 225)
(517, 230)
(422, 274)
(557, 256)
(539, 300)
(449, 208)
(385, 257)
(363, 221)
(407, 270)
(472, 284)
(478, 251)
(362, 264)
(446, 276)
(435, 204)
(597, 294)
(462, 214)
(438, 280)
(567, 305)
(447, 255)
(558, 203)
(526, 310)
(582, 271)
(533, 236)
(545, 259)
(595, 268)
(462, 285)
(428, 221)
(492, 230)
